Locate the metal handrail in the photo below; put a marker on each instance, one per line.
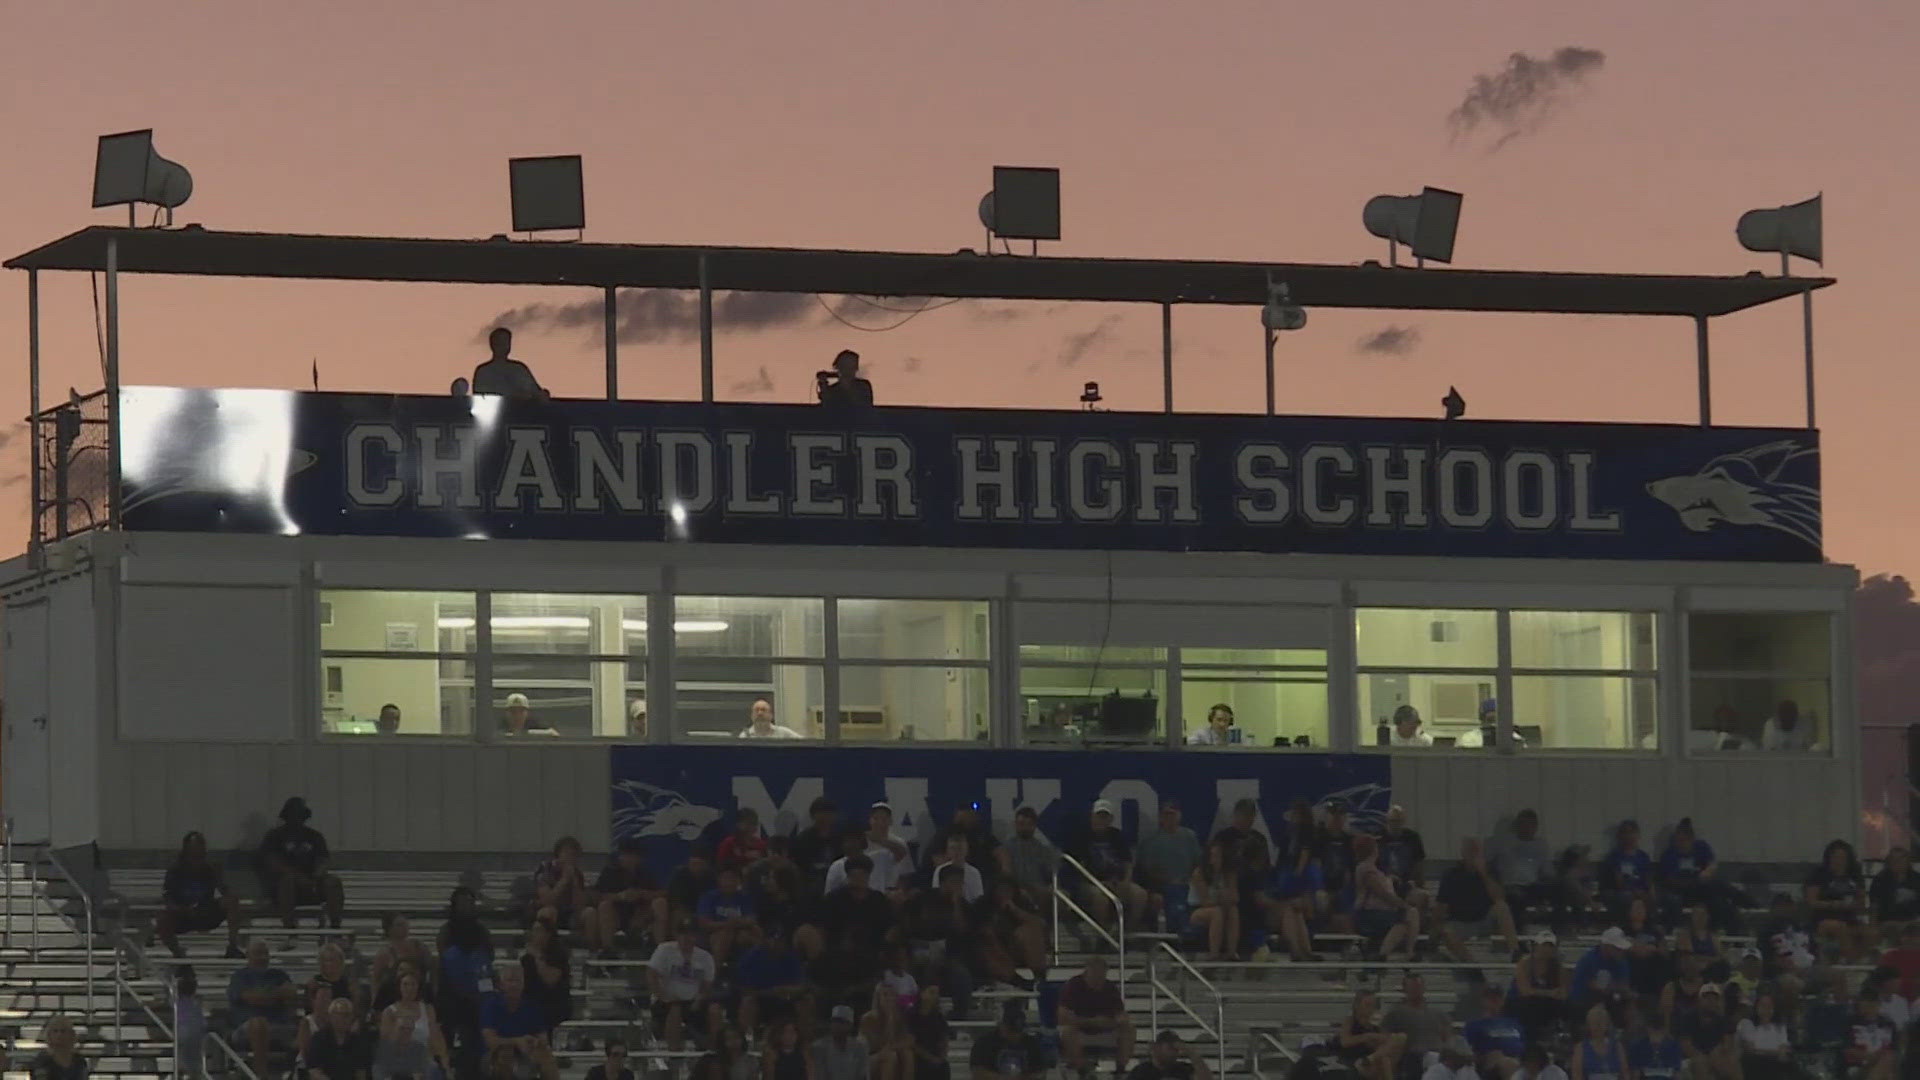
(1253, 1055)
(6, 870)
(86, 908)
(1118, 939)
(1217, 1029)
(234, 1060)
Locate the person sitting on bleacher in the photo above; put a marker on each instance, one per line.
(410, 1036)
(1707, 1036)
(1539, 999)
(1009, 1051)
(815, 849)
(1170, 1058)
(59, 1058)
(561, 898)
(1387, 921)
(1836, 897)
(1297, 898)
(631, 902)
(1213, 903)
(1164, 862)
(1453, 1061)
(1626, 872)
(1425, 1027)
(1498, 1040)
(1656, 1054)
(1362, 1045)
(1689, 873)
(1471, 904)
(260, 1002)
(1895, 891)
(1107, 854)
(945, 933)
(338, 1050)
(514, 1030)
(294, 866)
(984, 852)
(613, 1062)
(1523, 864)
(1093, 1017)
(769, 985)
(1766, 1047)
(727, 918)
(1014, 935)
(1873, 1051)
(195, 897)
(397, 946)
(337, 979)
(1602, 977)
(547, 969)
(745, 845)
(955, 854)
(680, 976)
(1032, 861)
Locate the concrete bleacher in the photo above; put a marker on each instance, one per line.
(1249, 1014)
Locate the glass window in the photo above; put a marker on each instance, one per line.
(1585, 712)
(1584, 640)
(395, 662)
(577, 660)
(1760, 681)
(1454, 709)
(715, 698)
(1422, 638)
(1269, 708)
(913, 703)
(372, 621)
(1082, 693)
(912, 629)
(430, 696)
(749, 626)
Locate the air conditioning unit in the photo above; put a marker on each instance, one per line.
(1444, 630)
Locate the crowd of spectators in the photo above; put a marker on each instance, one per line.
(844, 951)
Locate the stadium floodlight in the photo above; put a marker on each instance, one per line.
(1023, 205)
(1789, 230)
(548, 193)
(127, 172)
(1426, 223)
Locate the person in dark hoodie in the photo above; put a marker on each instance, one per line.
(293, 863)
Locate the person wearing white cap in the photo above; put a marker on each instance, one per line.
(760, 723)
(1108, 856)
(1453, 1061)
(1603, 973)
(840, 1054)
(1540, 986)
(519, 719)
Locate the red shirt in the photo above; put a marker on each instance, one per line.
(738, 853)
(1085, 1000)
(1907, 963)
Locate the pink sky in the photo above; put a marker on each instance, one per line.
(1207, 130)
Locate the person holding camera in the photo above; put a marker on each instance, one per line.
(843, 386)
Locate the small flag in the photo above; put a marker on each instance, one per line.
(316, 373)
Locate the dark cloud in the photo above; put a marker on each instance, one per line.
(1390, 341)
(643, 316)
(1076, 347)
(1523, 95)
(761, 383)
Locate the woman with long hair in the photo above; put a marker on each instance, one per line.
(1363, 1046)
(1214, 902)
(785, 1057)
(1836, 899)
(1601, 1055)
(397, 944)
(1649, 959)
(889, 1046)
(411, 1044)
(549, 971)
(1538, 998)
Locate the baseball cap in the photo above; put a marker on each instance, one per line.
(843, 1012)
(882, 805)
(516, 701)
(1710, 988)
(1615, 937)
(1103, 807)
(1545, 937)
(1750, 953)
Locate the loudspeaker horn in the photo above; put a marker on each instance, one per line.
(1792, 230)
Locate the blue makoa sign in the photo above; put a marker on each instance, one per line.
(348, 464)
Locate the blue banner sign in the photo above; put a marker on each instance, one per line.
(672, 796)
(485, 467)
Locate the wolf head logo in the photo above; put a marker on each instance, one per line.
(1768, 486)
(655, 811)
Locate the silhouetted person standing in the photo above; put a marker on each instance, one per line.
(504, 375)
(843, 385)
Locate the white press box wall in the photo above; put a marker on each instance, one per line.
(177, 675)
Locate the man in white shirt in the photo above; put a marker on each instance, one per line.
(882, 874)
(680, 973)
(880, 835)
(1786, 730)
(1406, 728)
(956, 855)
(1219, 730)
(763, 726)
(1454, 1061)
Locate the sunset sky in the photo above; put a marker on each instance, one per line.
(1234, 130)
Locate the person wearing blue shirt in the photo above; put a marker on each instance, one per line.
(770, 981)
(1627, 870)
(726, 915)
(1688, 875)
(1497, 1039)
(514, 1028)
(1656, 1055)
(1603, 972)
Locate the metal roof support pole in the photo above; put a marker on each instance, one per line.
(1806, 321)
(1166, 351)
(1269, 335)
(113, 383)
(33, 415)
(1706, 379)
(706, 333)
(613, 349)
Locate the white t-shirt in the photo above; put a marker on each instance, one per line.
(1439, 1071)
(1211, 736)
(682, 975)
(1800, 738)
(777, 731)
(1418, 738)
(883, 877)
(902, 986)
(973, 888)
(1897, 1009)
(1762, 1038)
(1551, 1072)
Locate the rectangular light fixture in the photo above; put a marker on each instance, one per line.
(1026, 203)
(547, 193)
